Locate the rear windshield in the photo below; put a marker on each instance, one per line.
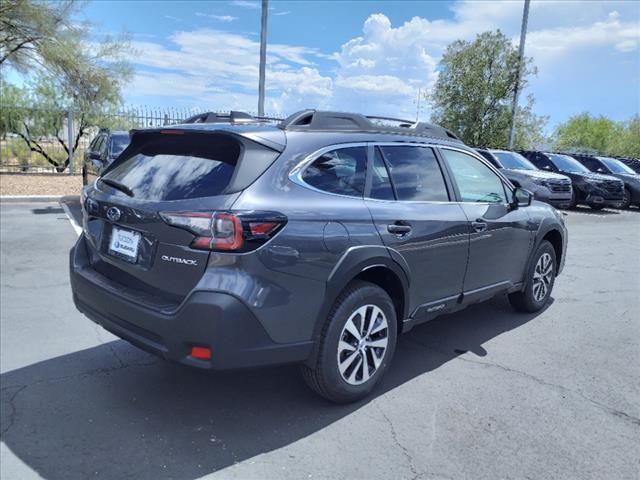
(118, 144)
(177, 167)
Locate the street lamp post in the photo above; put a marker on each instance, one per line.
(263, 56)
(516, 91)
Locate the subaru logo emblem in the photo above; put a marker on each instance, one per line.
(113, 214)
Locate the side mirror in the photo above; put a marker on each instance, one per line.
(94, 156)
(521, 198)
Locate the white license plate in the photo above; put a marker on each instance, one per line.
(124, 242)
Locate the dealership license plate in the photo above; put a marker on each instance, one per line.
(124, 243)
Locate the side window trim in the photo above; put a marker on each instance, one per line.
(506, 184)
(386, 166)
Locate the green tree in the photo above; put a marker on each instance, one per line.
(586, 133)
(627, 144)
(31, 31)
(475, 86)
(529, 131)
(71, 71)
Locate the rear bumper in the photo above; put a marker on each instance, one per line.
(205, 318)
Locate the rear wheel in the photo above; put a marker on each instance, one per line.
(539, 281)
(626, 200)
(596, 207)
(356, 346)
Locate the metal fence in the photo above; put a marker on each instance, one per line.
(31, 137)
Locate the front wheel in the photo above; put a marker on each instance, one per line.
(356, 346)
(539, 281)
(626, 200)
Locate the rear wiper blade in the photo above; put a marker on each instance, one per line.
(118, 186)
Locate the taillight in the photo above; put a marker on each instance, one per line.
(227, 231)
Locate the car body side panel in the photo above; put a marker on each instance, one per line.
(498, 255)
(300, 259)
(438, 242)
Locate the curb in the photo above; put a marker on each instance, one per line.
(30, 198)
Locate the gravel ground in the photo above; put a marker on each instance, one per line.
(40, 184)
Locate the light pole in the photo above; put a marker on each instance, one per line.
(516, 91)
(263, 56)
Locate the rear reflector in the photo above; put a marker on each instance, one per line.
(262, 228)
(204, 353)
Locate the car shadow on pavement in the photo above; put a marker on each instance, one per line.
(114, 411)
(47, 210)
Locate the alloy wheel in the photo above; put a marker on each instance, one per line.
(542, 277)
(362, 344)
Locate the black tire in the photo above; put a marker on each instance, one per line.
(596, 207)
(526, 300)
(573, 203)
(324, 377)
(626, 201)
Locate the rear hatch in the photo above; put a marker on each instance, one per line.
(163, 173)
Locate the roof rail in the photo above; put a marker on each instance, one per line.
(315, 120)
(232, 117)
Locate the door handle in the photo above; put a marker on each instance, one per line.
(399, 229)
(479, 225)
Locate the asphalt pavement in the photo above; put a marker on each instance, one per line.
(486, 393)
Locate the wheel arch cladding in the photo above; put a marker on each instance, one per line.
(554, 237)
(389, 281)
(372, 264)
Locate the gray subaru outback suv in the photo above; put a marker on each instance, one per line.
(231, 242)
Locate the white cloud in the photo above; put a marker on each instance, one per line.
(278, 14)
(548, 45)
(380, 70)
(397, 60)
(246, 4)
(220, 18)
(219, 70)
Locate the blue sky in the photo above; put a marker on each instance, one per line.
(368, 56)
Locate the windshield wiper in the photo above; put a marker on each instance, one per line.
(118, 186)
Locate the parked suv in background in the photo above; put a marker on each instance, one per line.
(618, 169)
(548, 187)
(230, 242)
(103, 149)
(632, 163)
(592, 189)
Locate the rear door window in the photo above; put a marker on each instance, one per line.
(340, 171)
(415, 173)
(177, 167)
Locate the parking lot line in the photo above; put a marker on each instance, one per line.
(76, 227)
